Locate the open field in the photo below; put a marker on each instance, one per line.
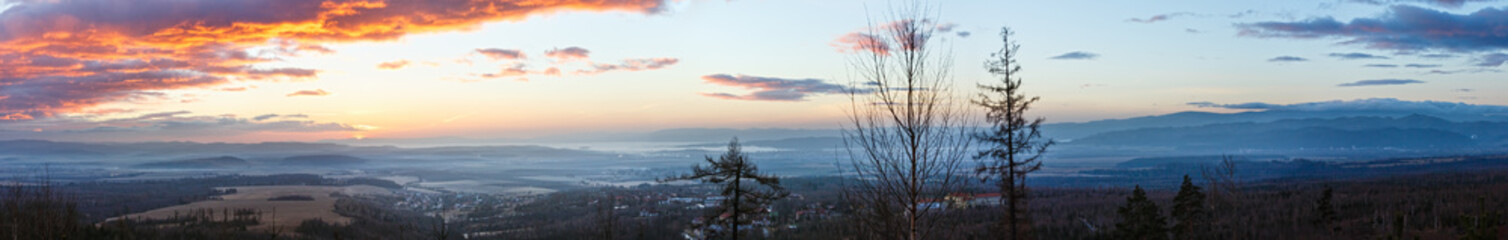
(280, 214)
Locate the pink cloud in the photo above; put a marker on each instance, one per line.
(394, 65)
(315, 92)
(501, 54)
(568, 54)
(771, 88)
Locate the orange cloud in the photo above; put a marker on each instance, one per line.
(66, 56)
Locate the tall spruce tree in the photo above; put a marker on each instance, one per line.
(1140, 218)
(1481, 226)
(1325, 213)
(1014, 145)
(746, 190)
(1188, 210)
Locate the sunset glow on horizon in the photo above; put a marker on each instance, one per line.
(296, 70)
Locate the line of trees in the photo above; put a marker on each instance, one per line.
(1140, 218)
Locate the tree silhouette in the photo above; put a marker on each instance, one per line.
(1140, 218)
(1015, 146)
(1188, 210)
(731, 170)
(1481, 226)
(907, 136)
(1324, 210)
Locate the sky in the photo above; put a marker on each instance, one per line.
(301, 70)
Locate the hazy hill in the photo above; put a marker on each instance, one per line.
(664, 135)
(321, 160)
(504, 151)
(47, 148)
(77, 149)
(802, 143)
(1191, 160)
(205, 163)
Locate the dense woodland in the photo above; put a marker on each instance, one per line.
(1449, 205)
(1463, 205)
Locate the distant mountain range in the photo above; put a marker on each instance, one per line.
(1257, 112)
(1364, 123)
(1410, 132)
(1070, 131)
(800, 143)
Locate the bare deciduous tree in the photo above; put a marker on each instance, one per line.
(1222, 181)
(1014, 145)
(906, 134)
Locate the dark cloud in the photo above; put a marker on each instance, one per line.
(1381, 65)
(1379, 82)
(66, 56)
(964, 33)
(1159, 17)
(1076, 56)
(45, 96)
(504, 54)
(1461, 90)
(156, 126)
(264, 117)
(1239, 106)
(946, 27)
(1437, 56)
(315, 92)
(1287, 59)
(567, 54)
(1402, 28)
(159, 115)
(1368, 105)
(772, 89)
(393, 65)
(1492, 60)
(1416, 65)
(1442, 3)
(1472, 70)
(1356, 55)
(283, 116)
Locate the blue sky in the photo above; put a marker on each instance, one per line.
(650, 64)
